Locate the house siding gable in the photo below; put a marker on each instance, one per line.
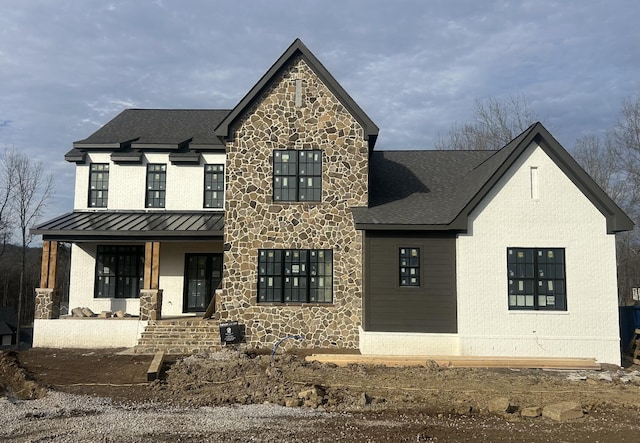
(253, 221)
(558, 216)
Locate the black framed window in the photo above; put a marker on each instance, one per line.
(295, 275)
(213, 186)
(119, 271)
(297, 175)
(156, 185)
(536, 279)
(98, 185)
(409, 266)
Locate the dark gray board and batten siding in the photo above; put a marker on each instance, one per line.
(431, 307)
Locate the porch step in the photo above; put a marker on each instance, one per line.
(179, 336)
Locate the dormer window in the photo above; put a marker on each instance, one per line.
(98, 185)
(297, 175)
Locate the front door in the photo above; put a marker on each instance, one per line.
(202, 276)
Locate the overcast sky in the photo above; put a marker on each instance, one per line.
(415, 67)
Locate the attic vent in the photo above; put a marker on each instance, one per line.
(534, 183)
(298, 93)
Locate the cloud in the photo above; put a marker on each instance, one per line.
(415, 67)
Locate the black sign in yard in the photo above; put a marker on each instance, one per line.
(231, 332)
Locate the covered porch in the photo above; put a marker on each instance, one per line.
(144, 264)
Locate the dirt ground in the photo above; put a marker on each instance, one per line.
(366, 403)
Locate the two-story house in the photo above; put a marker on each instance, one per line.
(280, 215)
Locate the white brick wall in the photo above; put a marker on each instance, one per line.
(185, 183)
(172, 262)
(172, 256)
(82, 281)
(561, 217)
(87, 333)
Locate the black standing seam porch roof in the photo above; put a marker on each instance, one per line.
(132, 225)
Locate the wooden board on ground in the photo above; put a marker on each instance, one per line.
(156, 366)
(452, 361)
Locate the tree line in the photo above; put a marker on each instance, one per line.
(25, 191)
(612, 159)
(10, 268)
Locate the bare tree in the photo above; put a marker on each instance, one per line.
(30, 194)
(600, 158)
(626, 136)
(613, 161)
(7, 176)
(497, 122)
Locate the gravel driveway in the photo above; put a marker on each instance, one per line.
(64, 417)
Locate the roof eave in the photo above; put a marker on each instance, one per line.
(80, 145)
(407, 227)
(79, 236)
(126, 157)
(156, 146)
(185, 158)
(207, 146)
(616, 219)
(75, 156)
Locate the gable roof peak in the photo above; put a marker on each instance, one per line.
(437, 190)
(503, 159)
(296, 48)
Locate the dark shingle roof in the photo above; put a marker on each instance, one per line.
(114, 225)
(438, 189)
(159, 126)
(418, 187)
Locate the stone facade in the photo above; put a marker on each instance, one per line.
(150, 304)
(47, 304)
(253, 220)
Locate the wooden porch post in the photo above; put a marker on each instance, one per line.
(151, 294)
(47, 303)
(49, 271)
(151, 265)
